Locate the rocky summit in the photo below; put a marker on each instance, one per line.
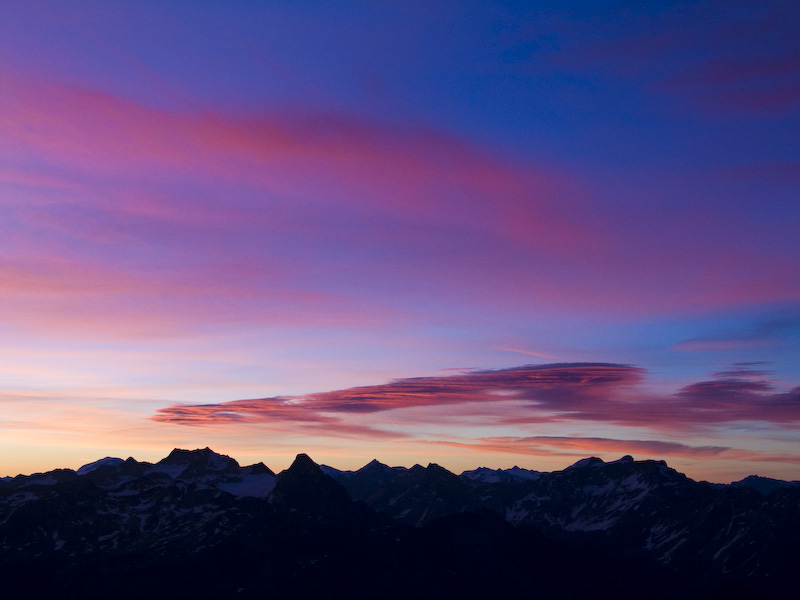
(198, 525)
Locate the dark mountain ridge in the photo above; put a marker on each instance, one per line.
(196, 524)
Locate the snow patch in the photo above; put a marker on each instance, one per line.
(729, 544)
(256, 486)
(20, 498)
(586, 462)
(516, 514)
(107, 461)
(597, 490)
(49, 480)
(590, 525)
(486, 475)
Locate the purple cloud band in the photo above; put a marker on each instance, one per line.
(570, 446)
(596, 392)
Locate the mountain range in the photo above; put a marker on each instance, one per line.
(198, 525)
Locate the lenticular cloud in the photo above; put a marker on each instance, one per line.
(599, 392)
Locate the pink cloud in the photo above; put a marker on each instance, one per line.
(146, 192)
(601, 393)
(583, 446)
(292, 199)
(587, 445)
(63, 297)
(413, 171)
(451, 390)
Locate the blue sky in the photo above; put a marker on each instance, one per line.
(207, 203)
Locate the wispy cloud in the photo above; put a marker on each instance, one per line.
(197, 217)
(581, 446)
(528, 352)
(771, 331)
(409, 171)
(712, 56)
(533, 384)
(558, 393)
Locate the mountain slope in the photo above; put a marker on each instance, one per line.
(197, 525)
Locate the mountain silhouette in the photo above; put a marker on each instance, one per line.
(198, 525)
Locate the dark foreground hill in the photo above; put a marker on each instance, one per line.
(197, 525)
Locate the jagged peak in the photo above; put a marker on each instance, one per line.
(479, 471)
(487, 475)
(374, 468)
(259, 468)
(438, 471)
(303, 464)
(436, 467)
(305, 487)
(182, 455)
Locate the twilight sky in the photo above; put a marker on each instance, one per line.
(472, 233)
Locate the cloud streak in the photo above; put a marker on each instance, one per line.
(557, 393)
(373, 194)
(712, 56)
(403, 171)
(251, 213)
(580, 446)
(773, 331)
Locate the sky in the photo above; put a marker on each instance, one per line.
(469, 233)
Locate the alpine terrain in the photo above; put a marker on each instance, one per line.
(198, 525)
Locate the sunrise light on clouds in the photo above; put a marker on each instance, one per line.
(478, 234)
